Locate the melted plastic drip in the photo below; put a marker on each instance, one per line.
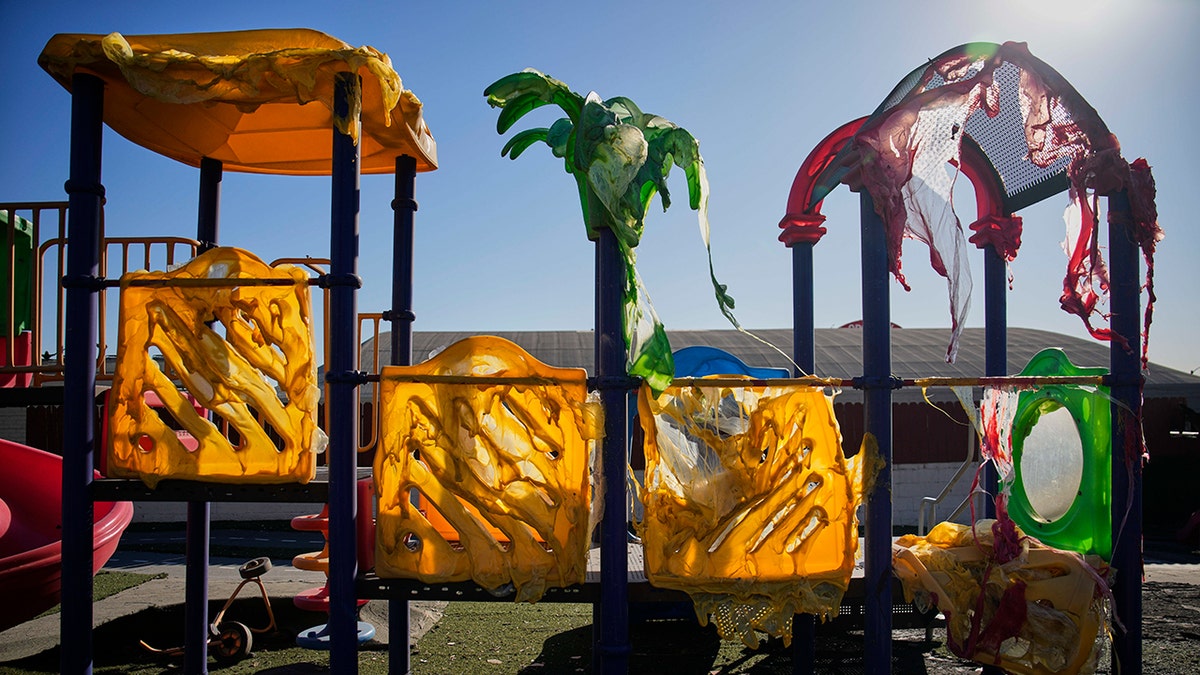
(1008, 600)
(906, 156)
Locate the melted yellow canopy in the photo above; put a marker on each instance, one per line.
(260, 101)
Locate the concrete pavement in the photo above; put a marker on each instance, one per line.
(283, 582)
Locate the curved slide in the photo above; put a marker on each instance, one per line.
(30, 532)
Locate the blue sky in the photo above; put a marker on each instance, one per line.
(501, 244)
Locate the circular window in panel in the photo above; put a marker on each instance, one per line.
(1051, 463)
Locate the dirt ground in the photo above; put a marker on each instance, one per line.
(1170, 638)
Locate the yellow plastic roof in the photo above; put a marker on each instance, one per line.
(260, 101)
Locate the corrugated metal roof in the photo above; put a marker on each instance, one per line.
(916, 352)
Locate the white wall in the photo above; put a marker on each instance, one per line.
(912, 482)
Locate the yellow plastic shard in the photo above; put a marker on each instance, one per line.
(1041, 613)
(245, 352)
(749, 503)
(259, 101)
(501, 466)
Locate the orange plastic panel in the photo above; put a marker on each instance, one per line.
(1042, 609)
(502, 462)
(259, 101)
(749, 503)
(244, 352)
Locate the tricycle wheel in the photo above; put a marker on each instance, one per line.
(255, 568)
(233, 642)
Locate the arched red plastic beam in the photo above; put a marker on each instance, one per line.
(993, 225)
(801, 223)
(816, 163)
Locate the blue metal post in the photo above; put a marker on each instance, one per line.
(208, 223)
(195, 622)
(995, 298)
(1126, 391)
(343, 392)
(804, 353)
(877, 367)
(404, 206)
(613, 647)
(402, 317)
(85, 197)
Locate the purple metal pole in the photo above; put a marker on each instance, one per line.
(402, 317)
(877, 395)
(86, 196)
(196, 553)
(208, 223)
(405, 206)
(1126, 391)
(195, 620)
(804, 352)
(342, 454)
(613, 647)
(995, 299)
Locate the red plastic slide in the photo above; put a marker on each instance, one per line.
(30, 532)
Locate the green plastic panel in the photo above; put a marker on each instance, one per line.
(22, 277)
(1042, 503)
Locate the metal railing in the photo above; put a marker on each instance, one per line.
(929, 504)
(118, 255)
(38, 216)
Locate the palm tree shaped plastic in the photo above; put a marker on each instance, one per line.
(620, 158)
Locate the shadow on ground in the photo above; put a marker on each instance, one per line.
(117, 648)
(684, 647)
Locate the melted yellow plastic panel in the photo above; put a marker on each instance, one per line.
(245, 352)
(259, 101)
(1042, 609)
(501, 466)
(749, 503)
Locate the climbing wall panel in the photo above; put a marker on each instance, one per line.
(497, 447)
(749, 503)
(236, 335)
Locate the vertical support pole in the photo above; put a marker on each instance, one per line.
(343, 392)
(877, 367)
(995, 299)
(804, 345)
(195, 620)
(196, 552)
(404, 205)
(804, 353)
(1126, 391)
(209, 221)
(85, 195)
(614, 647)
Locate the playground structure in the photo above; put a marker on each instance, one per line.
(101, 93)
